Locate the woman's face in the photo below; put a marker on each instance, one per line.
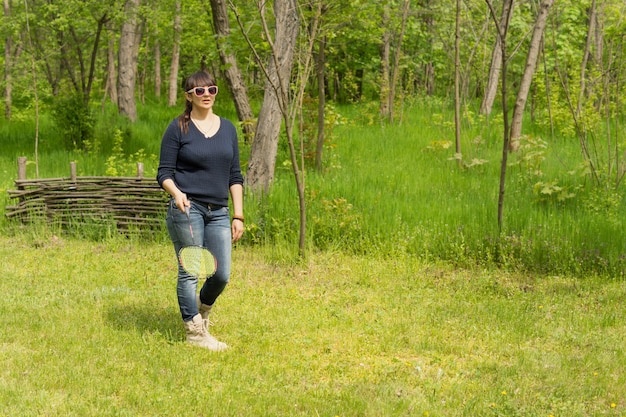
(202, 96)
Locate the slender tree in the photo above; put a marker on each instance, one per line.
(529, 72)
(157, 67)
(501, 32)
(586, 55)
(457, 86)
(278, 79)
(495, 68)
(320, 66)
(173, 80)
(111, 74)
(35, 88)
(232, 74)
(87, 81)
(396, 70)
(130, 38)
(261, 165)
(8, 60)
(385, 65)
(428, 70)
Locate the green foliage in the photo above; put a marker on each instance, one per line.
(75, 120)
(605, 202)
(268, 219)
(119, 164)
(334, 224)
(307, 127)
(530, 158)
(62, 34)
(117, 160)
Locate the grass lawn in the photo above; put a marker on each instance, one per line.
(93, 329)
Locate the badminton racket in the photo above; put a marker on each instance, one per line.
(196, 260)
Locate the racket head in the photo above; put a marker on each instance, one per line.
(197, 261)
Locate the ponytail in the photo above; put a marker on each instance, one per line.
(185, 117)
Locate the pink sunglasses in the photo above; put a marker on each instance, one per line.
(199, 91)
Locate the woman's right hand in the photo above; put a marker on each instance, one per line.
(180, 198)
(182, 202)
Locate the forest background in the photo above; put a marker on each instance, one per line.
(396, 132)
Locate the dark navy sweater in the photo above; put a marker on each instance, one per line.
(202, 168)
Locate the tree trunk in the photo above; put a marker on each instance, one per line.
(548, 88)
(261, 165)
(157, 67)
(529, 71)
(321, 102)
(496, 64)
(127, 56)
(431, 35)
(111, 70)
(457, 86)
(598, 48)
(92, 62)
(141, 82)
(8, 80)
(586, 53)
(385, 48)
(173, 91)
(278, 80)
(231, 70)
(396, 61)
(502, 31)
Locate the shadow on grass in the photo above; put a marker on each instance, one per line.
(144, 319)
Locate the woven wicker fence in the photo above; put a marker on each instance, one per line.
(128, 202)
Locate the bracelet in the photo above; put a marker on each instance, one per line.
(240, 218)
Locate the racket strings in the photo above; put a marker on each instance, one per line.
(197, 261)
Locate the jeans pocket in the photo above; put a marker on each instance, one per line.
(172, 210)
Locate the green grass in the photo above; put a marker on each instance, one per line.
(92, 329)
(395, 189)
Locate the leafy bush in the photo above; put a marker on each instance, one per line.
(119, 164)
(74, 119)
(335, 223)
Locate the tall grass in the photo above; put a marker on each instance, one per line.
(397, 189)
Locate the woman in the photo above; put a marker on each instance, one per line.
(199, 167)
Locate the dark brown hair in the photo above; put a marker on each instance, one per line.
(197, 79)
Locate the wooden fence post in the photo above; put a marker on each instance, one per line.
(21, 168)
(73, 170)
(140, 170)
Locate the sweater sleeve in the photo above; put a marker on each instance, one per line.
(170, 144)
(235, 168)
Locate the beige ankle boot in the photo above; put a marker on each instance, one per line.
(204, 310)
(198, 335)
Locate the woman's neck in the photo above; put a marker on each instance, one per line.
(202, 114)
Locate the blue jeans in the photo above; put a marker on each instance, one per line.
(211, 229)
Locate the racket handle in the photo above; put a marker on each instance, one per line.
(189, 220)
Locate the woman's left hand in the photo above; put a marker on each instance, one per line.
(237, 229)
